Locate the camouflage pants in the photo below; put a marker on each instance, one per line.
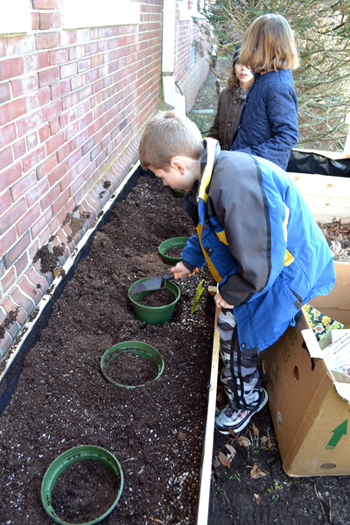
(239, 375)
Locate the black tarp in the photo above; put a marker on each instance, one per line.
(309, 162)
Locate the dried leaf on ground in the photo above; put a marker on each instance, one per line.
(256, 473)
(256, 499)
(224, 460)
(232, 451)
(244, 441)
(255, 430)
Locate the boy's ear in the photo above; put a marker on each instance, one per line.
(178, 165)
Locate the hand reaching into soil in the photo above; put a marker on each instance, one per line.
(180, 270)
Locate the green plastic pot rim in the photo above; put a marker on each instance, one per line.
(154, 314)
(65, 460)
(132, 347)
(174, 242)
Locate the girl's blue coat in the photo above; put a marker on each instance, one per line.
(268, 125)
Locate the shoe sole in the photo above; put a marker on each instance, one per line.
(226, 430)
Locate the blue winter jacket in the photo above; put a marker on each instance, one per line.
(263, 247)
(268, 126)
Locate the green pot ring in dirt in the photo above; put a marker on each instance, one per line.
(154, 314)
(165, 246)
(180, 193)
(132, 350)
(66, 460)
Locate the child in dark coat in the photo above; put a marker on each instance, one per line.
(268, 125)
(256, 233)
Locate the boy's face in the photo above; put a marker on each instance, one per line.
(182, 174)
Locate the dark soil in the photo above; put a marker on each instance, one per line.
(63, 400)
(156, 432)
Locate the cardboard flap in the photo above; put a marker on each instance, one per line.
(343, 390)
(311, 343)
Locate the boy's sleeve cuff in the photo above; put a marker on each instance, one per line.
(189, 266)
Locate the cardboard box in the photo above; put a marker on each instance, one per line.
(309, 404)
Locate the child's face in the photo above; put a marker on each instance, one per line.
(182, 173)
(243, 74)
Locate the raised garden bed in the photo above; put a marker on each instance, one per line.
(63, 400)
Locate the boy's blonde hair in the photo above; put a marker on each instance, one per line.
(167, 135)
(268, 44)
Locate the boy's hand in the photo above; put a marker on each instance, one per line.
(221, 303)
(180, 270)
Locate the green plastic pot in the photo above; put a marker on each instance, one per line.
(64, 461)
(154, 314)
(165, 246)
(132, 347)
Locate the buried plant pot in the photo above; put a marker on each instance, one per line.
(165, 246)
(132, 349)
(154, 314)
(66, 460)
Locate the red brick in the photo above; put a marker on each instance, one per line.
(67, 38)
(10, 218)
(68, 179)
(58, 56)
(12, 110)
(97, 86)
(6, 158)
(2, 47)
(21, 187)
(33, 158)
(48, 165)
(44, 133)
(35, 21)
(91, 76)
(28, 219)
(72, 130)
(39, 99)
(5, 201)
(7, 134)
(54, 125)
(5, 93)
(85, 92)
(12, 175)
(5, 344)
(8, 240)
(46, 40)
(37, 192)
(58, 174)
(54, 143)
(81, 138)
(76, 52)
(49, 76)
(44, 21)
(84, 163)
(7, 282)
(73, 159)
(21, 264)
(37, 61)
(29, 289)
(65, 151)
(89, 145)
(30, 122)
(84, 65)
(60, 202)
(22, 300)
(24, 85)
(77, 82)
(70, 100)
(39, 282)
(48, 199)
(19, 148)
(45, 236)
(62, 88)
(69, 70)
(16, 251)
(32, 141)
(52, 110)
(44, 4)
(11, 67)
(56, 19)
(20, 44)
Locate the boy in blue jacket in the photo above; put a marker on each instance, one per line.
(256, 233)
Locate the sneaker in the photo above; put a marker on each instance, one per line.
(238, 419)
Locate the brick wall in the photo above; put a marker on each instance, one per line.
(72, 105)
